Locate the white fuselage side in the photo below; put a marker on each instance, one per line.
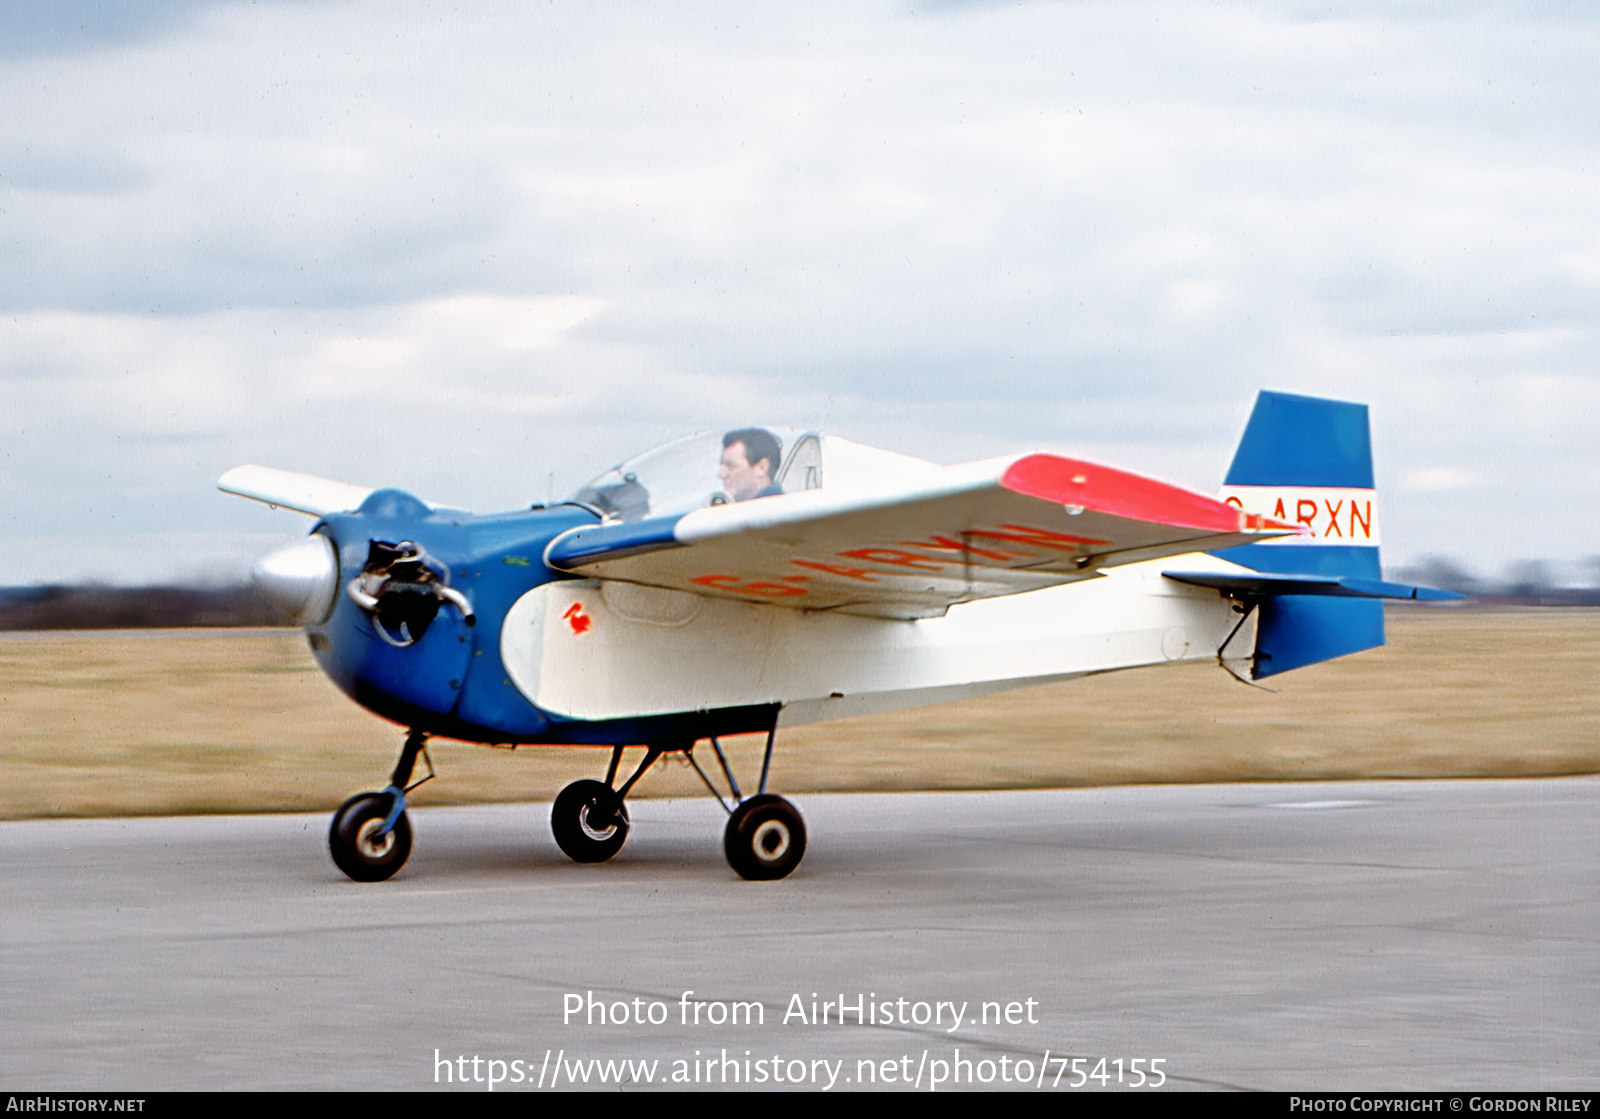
(591, 650)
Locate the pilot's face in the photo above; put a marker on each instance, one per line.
(739, 478)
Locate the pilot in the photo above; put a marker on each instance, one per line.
(750, 458)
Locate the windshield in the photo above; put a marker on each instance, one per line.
(714, 468)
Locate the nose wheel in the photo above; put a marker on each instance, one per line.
(360, 844)
(370, 837)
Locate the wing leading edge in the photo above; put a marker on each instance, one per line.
(978, 530)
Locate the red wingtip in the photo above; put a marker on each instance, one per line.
(1068, 481)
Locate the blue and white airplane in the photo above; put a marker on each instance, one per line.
(744, 581)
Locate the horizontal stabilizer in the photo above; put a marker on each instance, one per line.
(1261, 585)
(285, 489)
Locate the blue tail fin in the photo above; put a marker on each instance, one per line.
(1309, 461)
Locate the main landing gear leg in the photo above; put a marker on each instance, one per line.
(589, 818)
(370, 837)
(765, 838)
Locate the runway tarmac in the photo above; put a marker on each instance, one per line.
(1384, 935)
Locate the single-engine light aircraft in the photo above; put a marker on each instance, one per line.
(746, 580)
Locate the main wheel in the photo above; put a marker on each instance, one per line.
(354, 843)
(765, 838)
(589, 821)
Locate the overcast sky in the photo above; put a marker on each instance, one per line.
(484, 252)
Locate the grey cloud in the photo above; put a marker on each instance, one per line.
(957, 232)
(64, 27)
(51, 168)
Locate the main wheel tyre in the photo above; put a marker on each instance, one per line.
(589, 821)
(765, 838)
(353, 838)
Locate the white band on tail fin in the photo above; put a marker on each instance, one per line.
(1334, 515)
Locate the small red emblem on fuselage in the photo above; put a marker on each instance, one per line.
(580, 621)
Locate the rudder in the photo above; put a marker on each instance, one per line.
(1308, 461)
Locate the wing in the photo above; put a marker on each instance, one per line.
(967, 532)
(304, 493)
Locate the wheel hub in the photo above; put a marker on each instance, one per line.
(597, 823)
(370, 844)
(771, 840)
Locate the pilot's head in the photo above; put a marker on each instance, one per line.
(750, 459)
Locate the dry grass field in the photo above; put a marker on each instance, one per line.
(242, 721)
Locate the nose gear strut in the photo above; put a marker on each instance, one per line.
(370, 837)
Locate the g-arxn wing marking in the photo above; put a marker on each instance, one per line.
(973, 531)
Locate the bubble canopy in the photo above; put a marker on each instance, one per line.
(686, 475)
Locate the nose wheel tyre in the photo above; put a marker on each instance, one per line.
(357, 848)
(765, 838)
(589, 821)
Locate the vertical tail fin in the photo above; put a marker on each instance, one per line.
(1309, 461)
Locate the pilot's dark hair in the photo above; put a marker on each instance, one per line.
(759, 443)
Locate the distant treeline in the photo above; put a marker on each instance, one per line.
(1525, 583)
(102, 607)
(95, 606)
